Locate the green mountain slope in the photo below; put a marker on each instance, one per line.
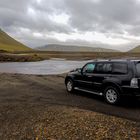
(72, 48)
(9, 44)
(136, 49)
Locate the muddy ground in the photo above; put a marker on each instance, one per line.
(38, 107)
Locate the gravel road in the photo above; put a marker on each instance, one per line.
(32, 105)
(17, 89)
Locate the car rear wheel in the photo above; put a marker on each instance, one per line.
(69, 85)
(111, 95)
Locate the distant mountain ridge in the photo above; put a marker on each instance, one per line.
(136, 49)
(72, 48)
(9, 44)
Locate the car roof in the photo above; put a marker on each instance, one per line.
(116, 60)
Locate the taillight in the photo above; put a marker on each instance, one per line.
(134, 82)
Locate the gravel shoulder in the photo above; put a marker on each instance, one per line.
(62, 123)
(38, 107)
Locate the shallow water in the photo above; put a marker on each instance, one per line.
(41, 67)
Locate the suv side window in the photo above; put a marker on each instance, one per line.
(138, 69)
(89, 68)
(103, 68)
(120, 68)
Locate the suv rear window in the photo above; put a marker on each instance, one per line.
(138, 68)
(119, 68)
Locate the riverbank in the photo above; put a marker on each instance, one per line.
(38, 107)
(9, 57)
(38, 56)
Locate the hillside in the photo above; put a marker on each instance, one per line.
(136, 49)
(70, 48)
(9, 44)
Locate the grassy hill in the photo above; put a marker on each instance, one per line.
(9, 44)
(72, 48)
(136, 49)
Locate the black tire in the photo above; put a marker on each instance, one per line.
(112, 95)
(69, 85)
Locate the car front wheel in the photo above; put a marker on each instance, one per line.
(111, 95)
(69, 85)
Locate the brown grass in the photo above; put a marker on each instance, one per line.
(38, 55)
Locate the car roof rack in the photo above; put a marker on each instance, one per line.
(114, 59)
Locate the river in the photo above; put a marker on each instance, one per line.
(46, 67)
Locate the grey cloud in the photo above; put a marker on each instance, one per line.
(12, 15)
(105, 16)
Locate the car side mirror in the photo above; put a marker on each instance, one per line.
(79, 70)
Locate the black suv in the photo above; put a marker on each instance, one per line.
(108, 78)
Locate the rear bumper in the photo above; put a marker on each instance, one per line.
(127, 90)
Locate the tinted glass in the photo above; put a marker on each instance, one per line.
(119, 68)
(108, 68)
(138, 69)
(89, 68)
(99, 68)
(103, 68)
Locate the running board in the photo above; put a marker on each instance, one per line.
(92, 92)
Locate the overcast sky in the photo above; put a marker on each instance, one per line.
(102, 23)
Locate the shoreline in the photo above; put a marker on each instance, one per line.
(39, 56)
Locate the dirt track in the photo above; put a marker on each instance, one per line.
(23, 95)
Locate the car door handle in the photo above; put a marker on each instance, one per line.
(89, 76)
(107, 77)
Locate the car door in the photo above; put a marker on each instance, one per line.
(84, 80)
(102, 71)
